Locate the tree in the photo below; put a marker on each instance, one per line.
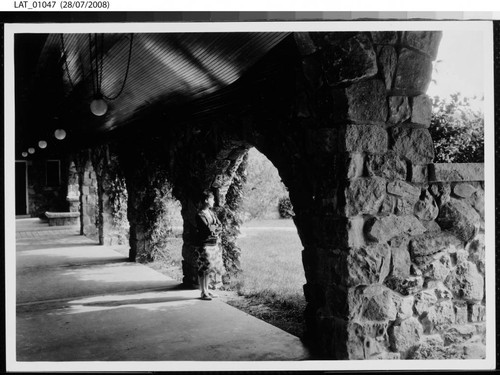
(263, 187)
(457, 129)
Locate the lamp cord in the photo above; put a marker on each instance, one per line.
(101, 62)
(66, 62)
(91, 66)
(96, 73)
(126, 72)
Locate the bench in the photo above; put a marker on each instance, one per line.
(62, 218)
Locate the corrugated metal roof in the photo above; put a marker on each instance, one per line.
(165, 69)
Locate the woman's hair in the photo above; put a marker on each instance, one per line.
(204, 197)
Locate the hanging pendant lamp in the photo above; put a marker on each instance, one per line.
(99, 105)
(60, 134)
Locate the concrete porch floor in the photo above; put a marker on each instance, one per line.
(77, 301)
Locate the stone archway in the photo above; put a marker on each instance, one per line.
(221, 174)
(346, 125)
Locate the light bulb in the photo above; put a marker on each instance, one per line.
(24, 154)
(31, 150)
(60, 134)
(98, 107)
(42, 144)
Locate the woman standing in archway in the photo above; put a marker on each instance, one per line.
(208, 229)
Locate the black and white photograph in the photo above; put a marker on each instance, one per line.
(249, 195)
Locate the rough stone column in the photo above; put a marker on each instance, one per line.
(88, 195)
(140, 198)
(114, 198)
(112, 223)
(147, 188)
(99, 162)
(367, 114)
(189, 269)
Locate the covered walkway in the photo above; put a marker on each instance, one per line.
(77, 301)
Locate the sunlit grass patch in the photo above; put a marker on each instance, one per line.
(272, 276)
(272, 264)
(269, 223)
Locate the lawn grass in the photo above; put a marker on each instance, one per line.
(269, 223)
(271, 264)
(273, 276)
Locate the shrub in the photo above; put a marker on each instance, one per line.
(162, 214)
(285, 208)
(230, 217)
(114, 186)
(457, 130)
(117, 193)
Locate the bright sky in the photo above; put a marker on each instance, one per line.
(461, 68)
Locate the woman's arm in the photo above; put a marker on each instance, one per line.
(217, 223)
(202, 227)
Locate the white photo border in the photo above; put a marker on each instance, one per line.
(11, 30)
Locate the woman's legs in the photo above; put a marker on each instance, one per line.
(203, 281)
(203, 276)
(200, 283)
(208, 290)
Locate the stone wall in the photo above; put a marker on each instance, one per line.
(415, 276)
(449, 257)
(392, 254)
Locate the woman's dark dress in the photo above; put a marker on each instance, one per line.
(208, 255)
